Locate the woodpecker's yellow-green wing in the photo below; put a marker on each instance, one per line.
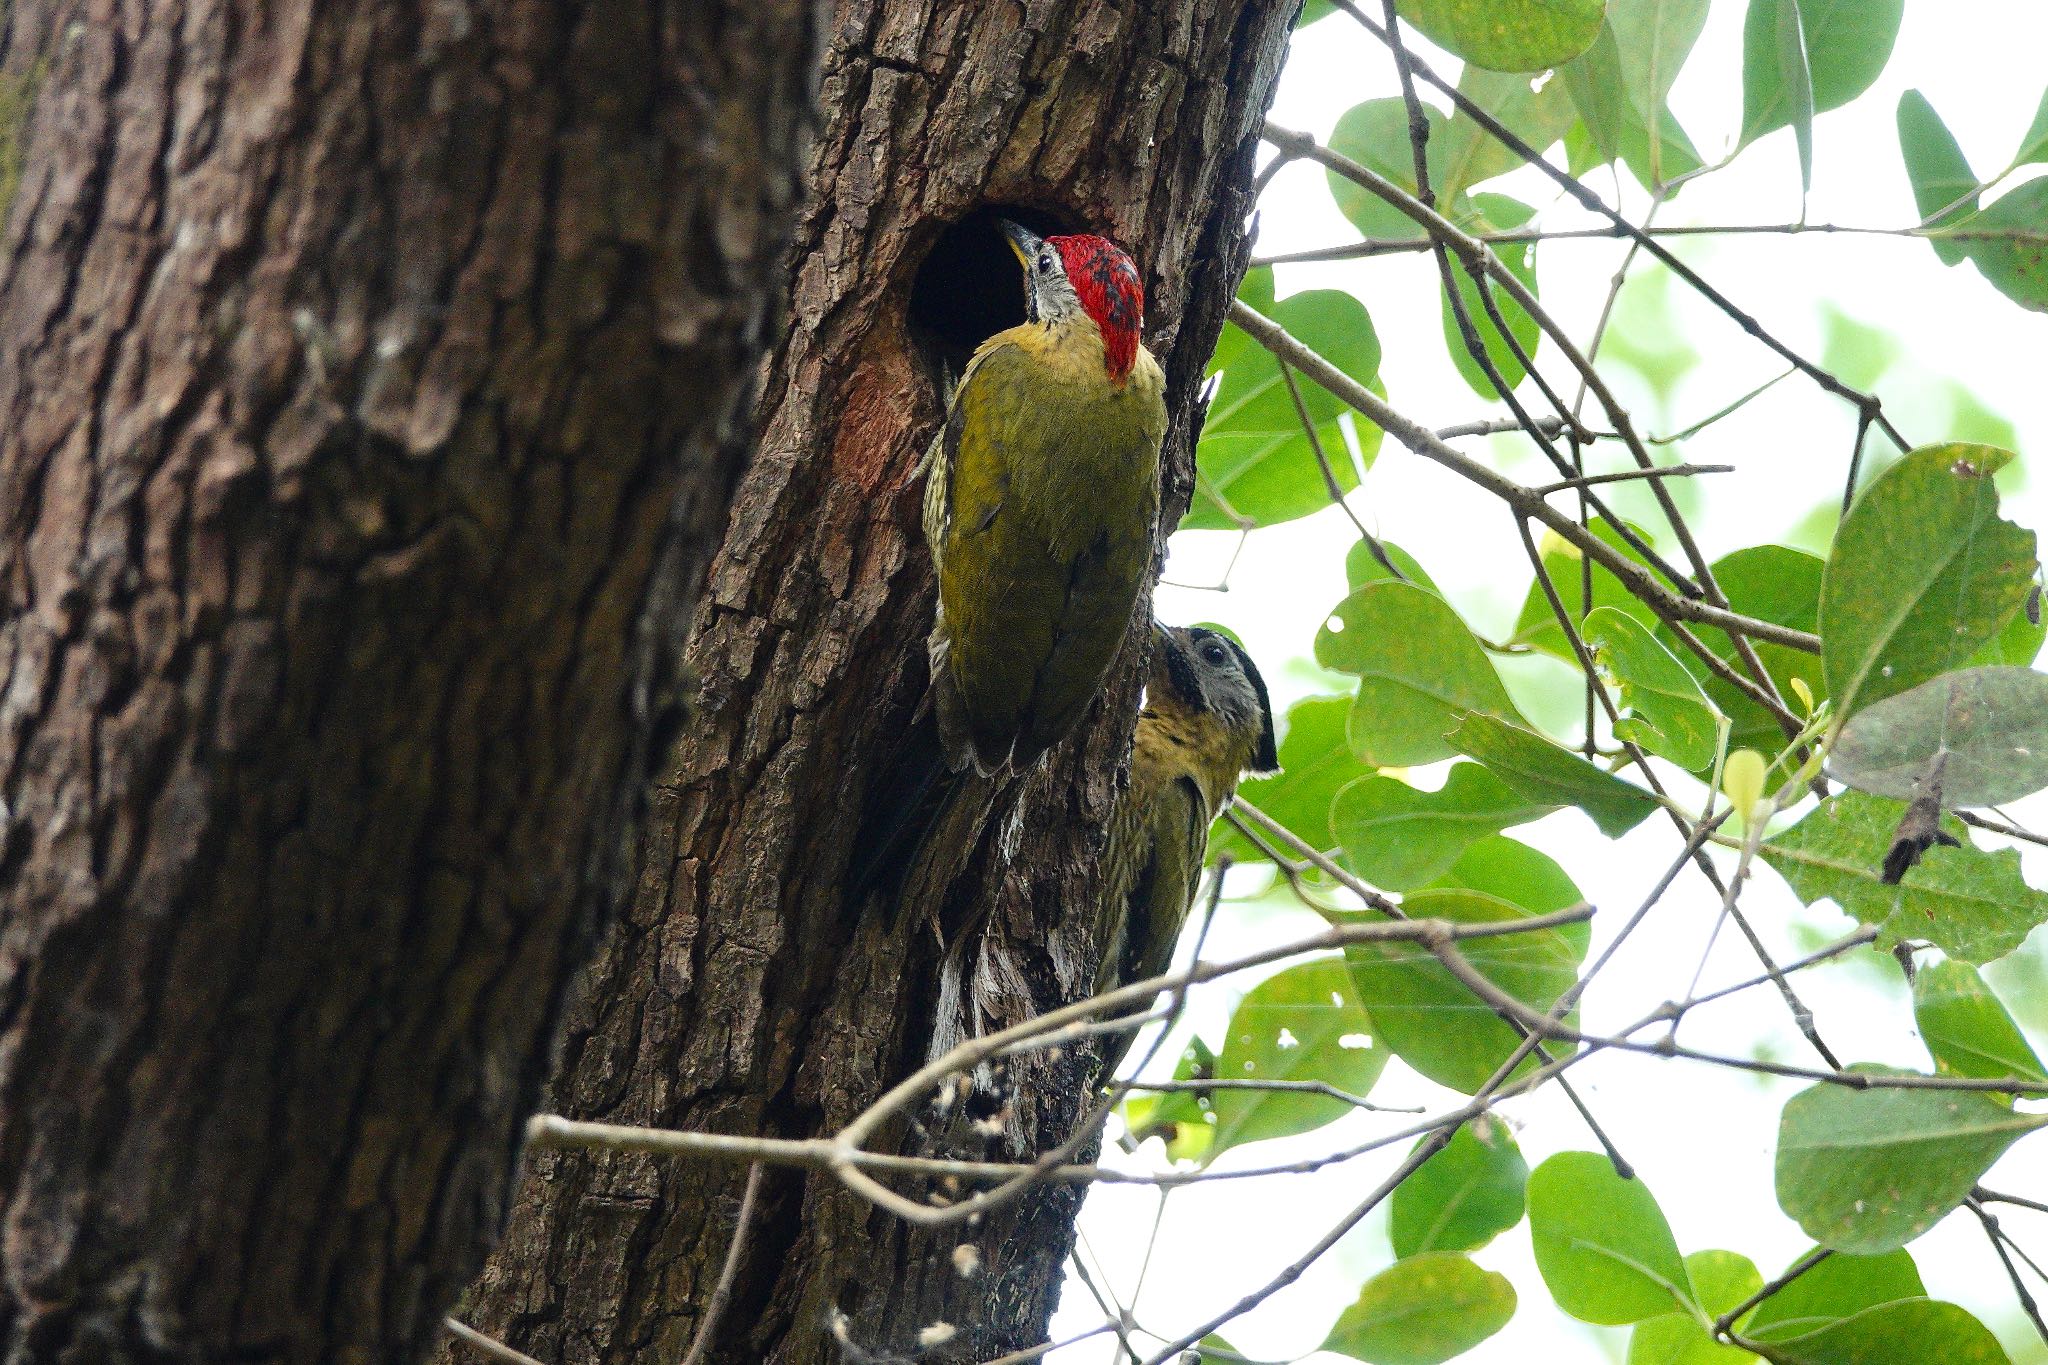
(1040, 511)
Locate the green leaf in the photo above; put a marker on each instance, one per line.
(1720, 1281)
(1423, 1310)
(1966, 1028)
(1602, 1243)
(1669, 714)
(1969, 902)
(1541, 771)
(1419, 669)
(1841, 1286)
(1398, 837)
(2034, 146)
(1315, 762)
(1462, 1197)
(1303, 1024)
(1939, 172)
(1777, 77)
(1179, 1117)
(1912, 1329)
(1619, 85)
(1846, 44)
(1870, 1170)
(1775, 584)
(1536, 624)
(1472, 155)
(1522, 876)
(1375, 135)
(1428, 1017)
(1499, 213)
(1254, 458)
(1854, 351)
(1989, 724)
(1508, 35)
(1362, 566)
(2016, 268)
(1924, 572)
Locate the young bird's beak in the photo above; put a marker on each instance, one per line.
(1023, 241)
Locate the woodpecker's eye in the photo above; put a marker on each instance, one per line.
(1213, 652)
(1045, 263)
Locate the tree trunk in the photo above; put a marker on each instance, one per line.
(374, 377)
(740, 994)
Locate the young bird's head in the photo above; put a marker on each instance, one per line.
(1088, 275)
(1205, 672)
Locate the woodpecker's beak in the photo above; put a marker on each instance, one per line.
(1023, 241)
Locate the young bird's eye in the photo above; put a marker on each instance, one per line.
(1214, 653)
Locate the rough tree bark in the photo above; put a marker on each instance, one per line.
(373, 377)
(740, 994)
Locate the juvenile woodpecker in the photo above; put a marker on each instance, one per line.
(1207, 720)
(1042, 490)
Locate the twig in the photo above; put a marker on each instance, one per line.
(1571, 185)
(1669, 471)
(490, 1346)
(1526, 501)
(1996, 1236)
(722, 1293)
(1725, 1323)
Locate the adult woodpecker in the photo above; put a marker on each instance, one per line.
(1207, 720)
(1042, 490)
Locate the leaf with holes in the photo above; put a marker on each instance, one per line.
(1423, 1310)
(1668, 713)
(1430, 1019)
(1968, 901)
(1255, 463)
(1989, 726)
(1536, 111)
(1398, 837)
(1303, 1024)
(1419, 670)
(1924, 572)
(1602, 1244)
(1180, 1118)
(1966, 1027)
(1464, 1195)
(1541, 771)
(1870, 1170)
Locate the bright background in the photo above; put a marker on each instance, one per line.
(1966, 364)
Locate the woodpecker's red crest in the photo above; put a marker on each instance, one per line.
(1107, 283)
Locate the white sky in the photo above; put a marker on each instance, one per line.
(1702, 1138)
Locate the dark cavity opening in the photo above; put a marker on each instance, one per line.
(970, 287)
